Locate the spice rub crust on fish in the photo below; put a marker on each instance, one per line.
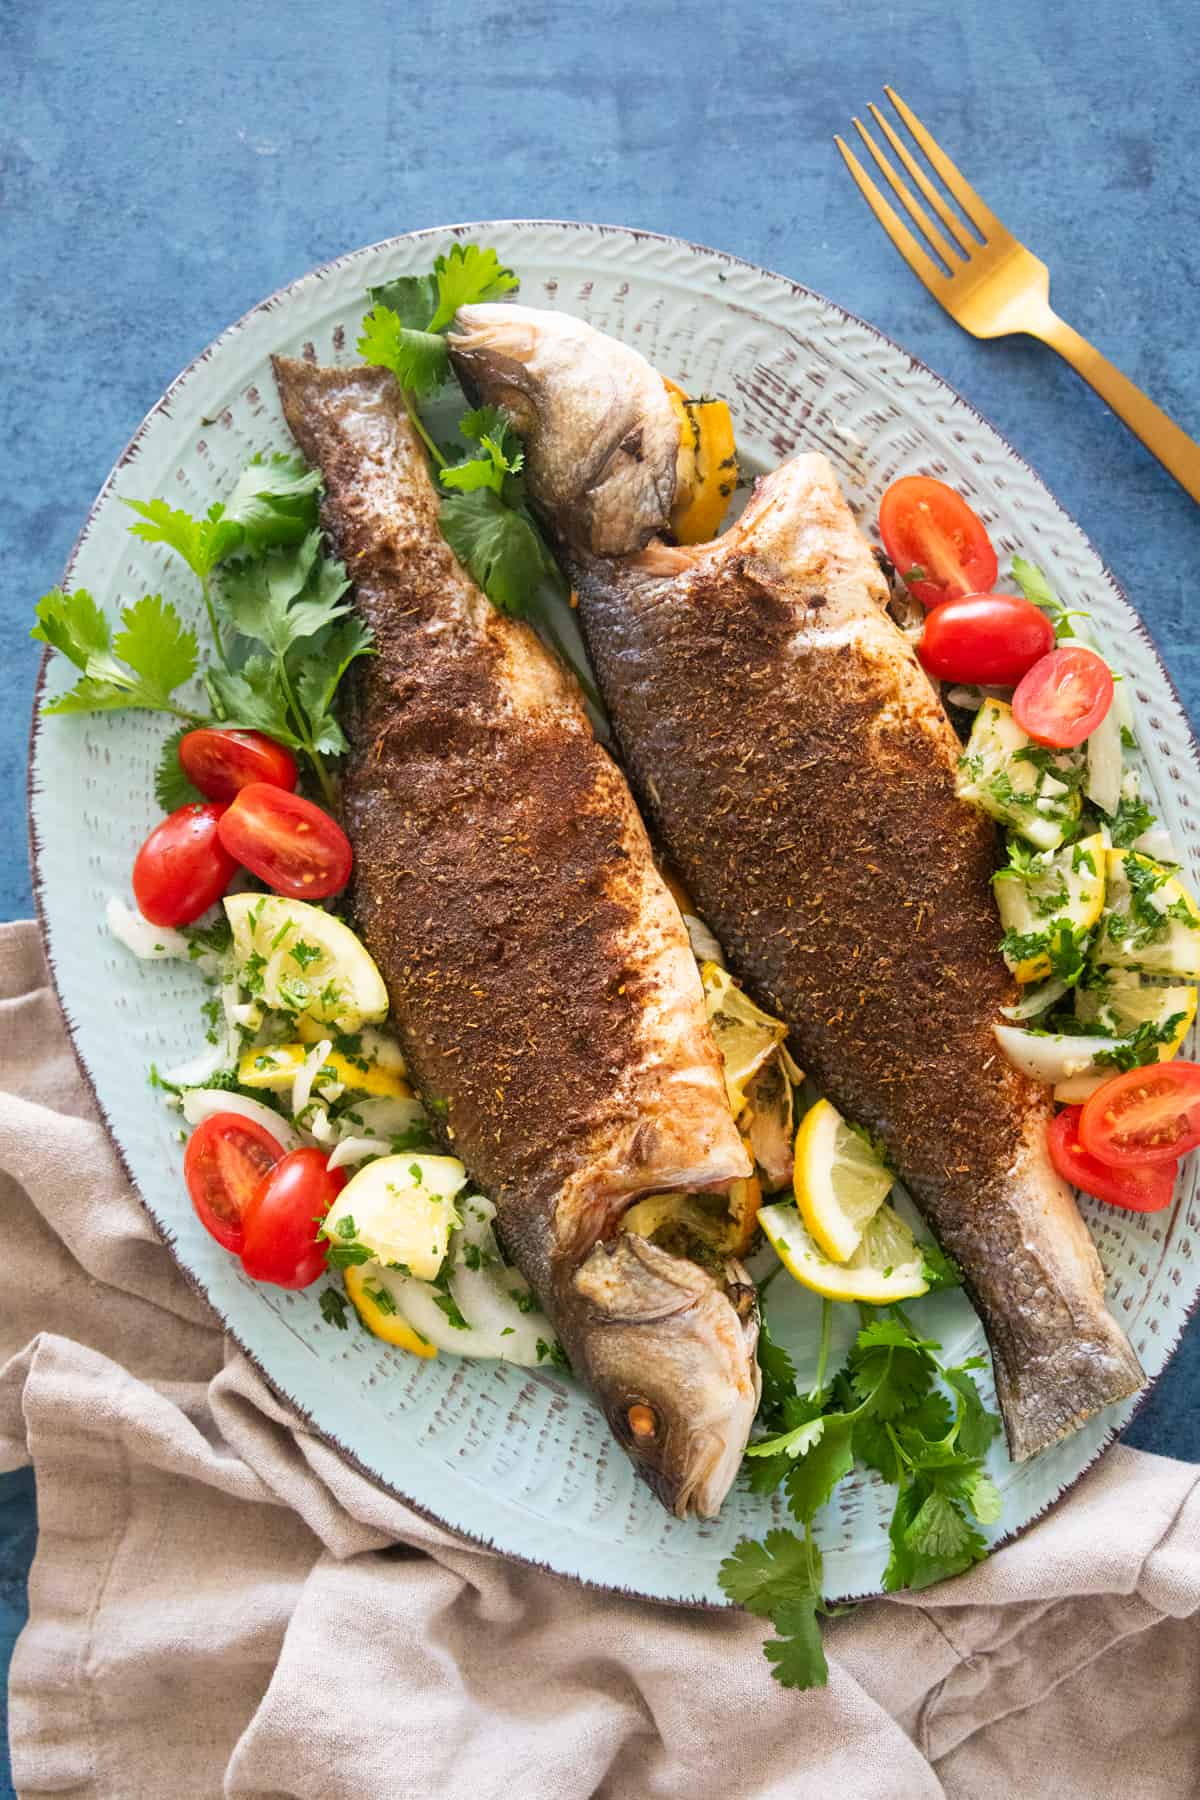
(801, 772)
(540, 977)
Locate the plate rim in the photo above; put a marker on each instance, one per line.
(192, 1280)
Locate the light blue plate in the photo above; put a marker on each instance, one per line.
(525, 1461)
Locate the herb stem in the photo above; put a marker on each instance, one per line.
(328, 791)
(818, 1387)
(418, 426)
(211, 610)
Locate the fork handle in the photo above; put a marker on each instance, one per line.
(1176, 451)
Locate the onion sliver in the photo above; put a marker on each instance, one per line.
(202, 1103)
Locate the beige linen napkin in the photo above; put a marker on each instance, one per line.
(220, 1605)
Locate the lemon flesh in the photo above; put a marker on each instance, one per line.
(1031, 800)
(840, 1182)
(1151, 922)
(365, 1282)
(1068, 889)
(1122, 1001)
(744, 1034)
(300, 959)
(274, 1067)
(887, 1265)
(401, 1210)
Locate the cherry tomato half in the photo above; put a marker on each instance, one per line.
(1147, 1189)
(183, 867)
(287, 842)
(925, 525)
(279, 1241)
(1063, 697)
(220, 763)
(224, 1164)
(990, 638)
(1144, 1116)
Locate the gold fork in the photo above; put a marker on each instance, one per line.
(995, 285)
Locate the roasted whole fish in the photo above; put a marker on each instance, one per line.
(540, 977)
(799, 769)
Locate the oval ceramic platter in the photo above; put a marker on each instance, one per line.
(524, 1461)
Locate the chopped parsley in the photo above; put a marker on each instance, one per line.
(333, 1309)
(382, 1299)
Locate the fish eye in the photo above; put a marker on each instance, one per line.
(643, 1421)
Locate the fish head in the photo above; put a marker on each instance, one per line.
(670, 1351)
(602, 439)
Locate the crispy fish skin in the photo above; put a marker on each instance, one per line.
(800, 770)
(539, 973)
(601, 437)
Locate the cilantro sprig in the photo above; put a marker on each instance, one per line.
(897, 1409)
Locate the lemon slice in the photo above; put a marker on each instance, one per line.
(1122, 1001)
(370, 1292)
(1021, 790)
(744, 1034)
(1150, 920)
(886, 1266)
(1066, 887)
(274, 1067)
(401, 1210)
(303, 960)
(840, 1182)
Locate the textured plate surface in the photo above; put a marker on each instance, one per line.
(524, 1461)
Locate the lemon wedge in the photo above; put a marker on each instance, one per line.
(1150, 922)
(401, 1210)
(1003, 771)
(887, 1265)
(274, 1067)
(744, 1034)
(840, 1182)
(1062, 887)
(305, 961)
(369, 1288)
(1121, 1001)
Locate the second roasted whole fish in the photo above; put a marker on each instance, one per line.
(799, 770)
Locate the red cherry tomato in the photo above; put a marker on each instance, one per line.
(1063, 697)
(1144, 1116)
(220, 763)
(989, 638)
(287, 842)
(182, 867)
(225, 1161)
(1146, 1189)
(280, 1225)
(925, 525)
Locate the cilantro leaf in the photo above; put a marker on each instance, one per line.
(413, 299)
(418, 359)
(152, 655)
(796, 1442)
(72, 624)
(483, 421)
(500, 547)
(977, 1426)
(172, 789)
(317, 670)
(778, 1378)
(814, 1475)
(202, 543)
(935, 1539)
(780, 1579)
(938, 1268)
(464, 277)
(488, 470)
(252, 697)
(274, 501)
(288, 594)
(333, 1309)
(1036, 589)
(889, 1368)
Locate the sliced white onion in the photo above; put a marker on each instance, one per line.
(383, 1118)
(382, 1050)
(1036, 999)
(320, 1126)
(355, 1150)
(970, 699)
(213, 1060)
(487, 1296)
(1051, 1059)
(202, 1103)
(1078, 1088)
(705, 947)
(152, 943)
(1158, 843)
(1103, 781)
(307, 1073)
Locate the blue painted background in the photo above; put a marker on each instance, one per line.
(165, 165)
